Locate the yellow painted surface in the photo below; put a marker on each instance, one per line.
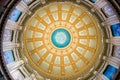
(84, 47)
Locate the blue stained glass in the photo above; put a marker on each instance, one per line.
(60, 38)
(8, 56)
(93, 1)
(110, 72)
(15, 14)
(116, 29)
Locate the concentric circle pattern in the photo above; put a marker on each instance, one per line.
(62, 39)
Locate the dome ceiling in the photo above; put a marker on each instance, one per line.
(62, 40)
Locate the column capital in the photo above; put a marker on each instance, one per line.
(78, 1)
(114, 40)
(112, 61)
(31, 77)
(11, 25)
(43, 1)
(98, 5)
(39, 76)
(15, 65)
(111, 20)
(10, 45)
(22, 6)
(99, 76)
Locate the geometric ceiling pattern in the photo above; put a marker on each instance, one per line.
(59, 39)
(62, 39)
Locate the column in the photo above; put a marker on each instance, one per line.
(38, 75)
(111, 20)
(114, 40)
(15, 65)
(10, 45)
(100, 76)
(112, 61)
(31, 77)
(25, 71)
(26, 60)
(11, 25)
(23, 7)
(78, 1)
(98, 5)
(43, 1)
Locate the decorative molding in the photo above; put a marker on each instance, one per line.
(23, 7)
(111, 20)
(98, 5)
(15, 65)
(11, 25)
(10, 45)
